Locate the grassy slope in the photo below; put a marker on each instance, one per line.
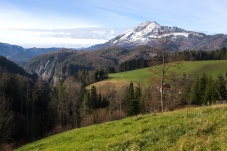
(212, 68)
(202, 128)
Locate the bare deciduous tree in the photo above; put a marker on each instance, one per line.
(162, 63)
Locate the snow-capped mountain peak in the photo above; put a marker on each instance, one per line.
(147, 31)
(147, 26)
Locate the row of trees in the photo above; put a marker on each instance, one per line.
(207, 90)
(219, 54)
(132, 65)
(90, 76)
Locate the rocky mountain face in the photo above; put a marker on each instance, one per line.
(149, 32)
(21, 55)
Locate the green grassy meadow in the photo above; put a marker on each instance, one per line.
(202, 128)
(141, 76)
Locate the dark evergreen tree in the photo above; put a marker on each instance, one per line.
(101, 75)
(111, 70)
(223, 53)
(104, 103)
(202, 86)
(96, 75)
(137, 100)
(195, 93)
(132, 102)
(185, 88)
(131, 90)
(99, 101)
(210, 92)
(94, 97)
(221, 88)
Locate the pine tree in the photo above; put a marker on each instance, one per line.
(131, 90)
(96, 76)
(202, 87)
(101, 75)
(99, 101)
(137, 100)
(94, 98)
(129, 99)
(210, 92)
(221, 88)
(133, 100)
(195, 92)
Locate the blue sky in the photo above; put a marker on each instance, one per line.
(81, 23)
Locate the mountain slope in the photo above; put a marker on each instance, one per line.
(9, 67)
(149, 32)
(13, 52)
(57, 65)
(202, 128)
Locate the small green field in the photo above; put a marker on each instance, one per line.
(141, 76)
(202, 128)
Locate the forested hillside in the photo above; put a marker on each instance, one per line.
(24, 105)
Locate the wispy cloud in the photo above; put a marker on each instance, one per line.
(73, 38)
(82, 33)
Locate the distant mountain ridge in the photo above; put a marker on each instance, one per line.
(182, 39)
(21, 55)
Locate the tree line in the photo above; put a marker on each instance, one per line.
(189, 55)
(132, 65)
